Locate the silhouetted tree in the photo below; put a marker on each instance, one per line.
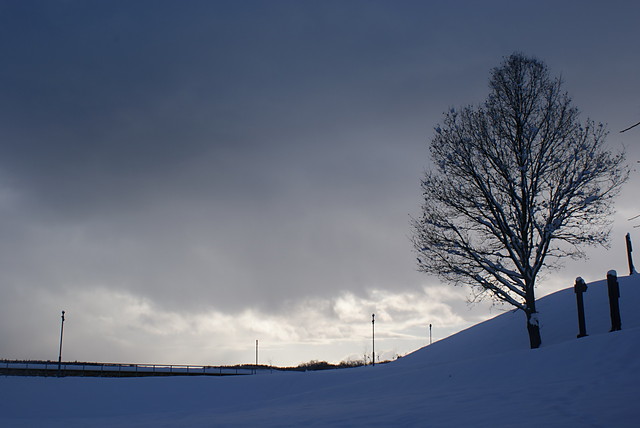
(517, 184)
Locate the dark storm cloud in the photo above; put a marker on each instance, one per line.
(200, 149)
(102, 101)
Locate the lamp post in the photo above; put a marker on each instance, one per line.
(373, 339)
(60, 352)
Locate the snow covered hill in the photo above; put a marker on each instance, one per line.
(483, 377)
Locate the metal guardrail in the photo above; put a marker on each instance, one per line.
(52, 368)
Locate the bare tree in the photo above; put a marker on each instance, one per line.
(518, 183)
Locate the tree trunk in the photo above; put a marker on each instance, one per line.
(533, 323)
(533, 327)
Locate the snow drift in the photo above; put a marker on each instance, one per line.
(482, 376)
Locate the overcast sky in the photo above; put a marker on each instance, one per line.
(185, 177)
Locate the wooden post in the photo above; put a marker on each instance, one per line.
(614, 295)
(580, 287)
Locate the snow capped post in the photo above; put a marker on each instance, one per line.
(60, 352)
(614, 296)
(580, 287)
(373, 339)
(632, 270)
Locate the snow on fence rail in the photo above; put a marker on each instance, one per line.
(52, 368)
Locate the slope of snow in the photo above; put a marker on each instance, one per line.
(558, 321)
(483, 376)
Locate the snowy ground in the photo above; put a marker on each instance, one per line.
(483, 376)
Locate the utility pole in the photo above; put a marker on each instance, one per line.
(632, 270)
(256, 355)
(60, 352)
(373, 339)
(429, 334)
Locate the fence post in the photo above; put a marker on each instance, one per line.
(580, 287)
(614, 295)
